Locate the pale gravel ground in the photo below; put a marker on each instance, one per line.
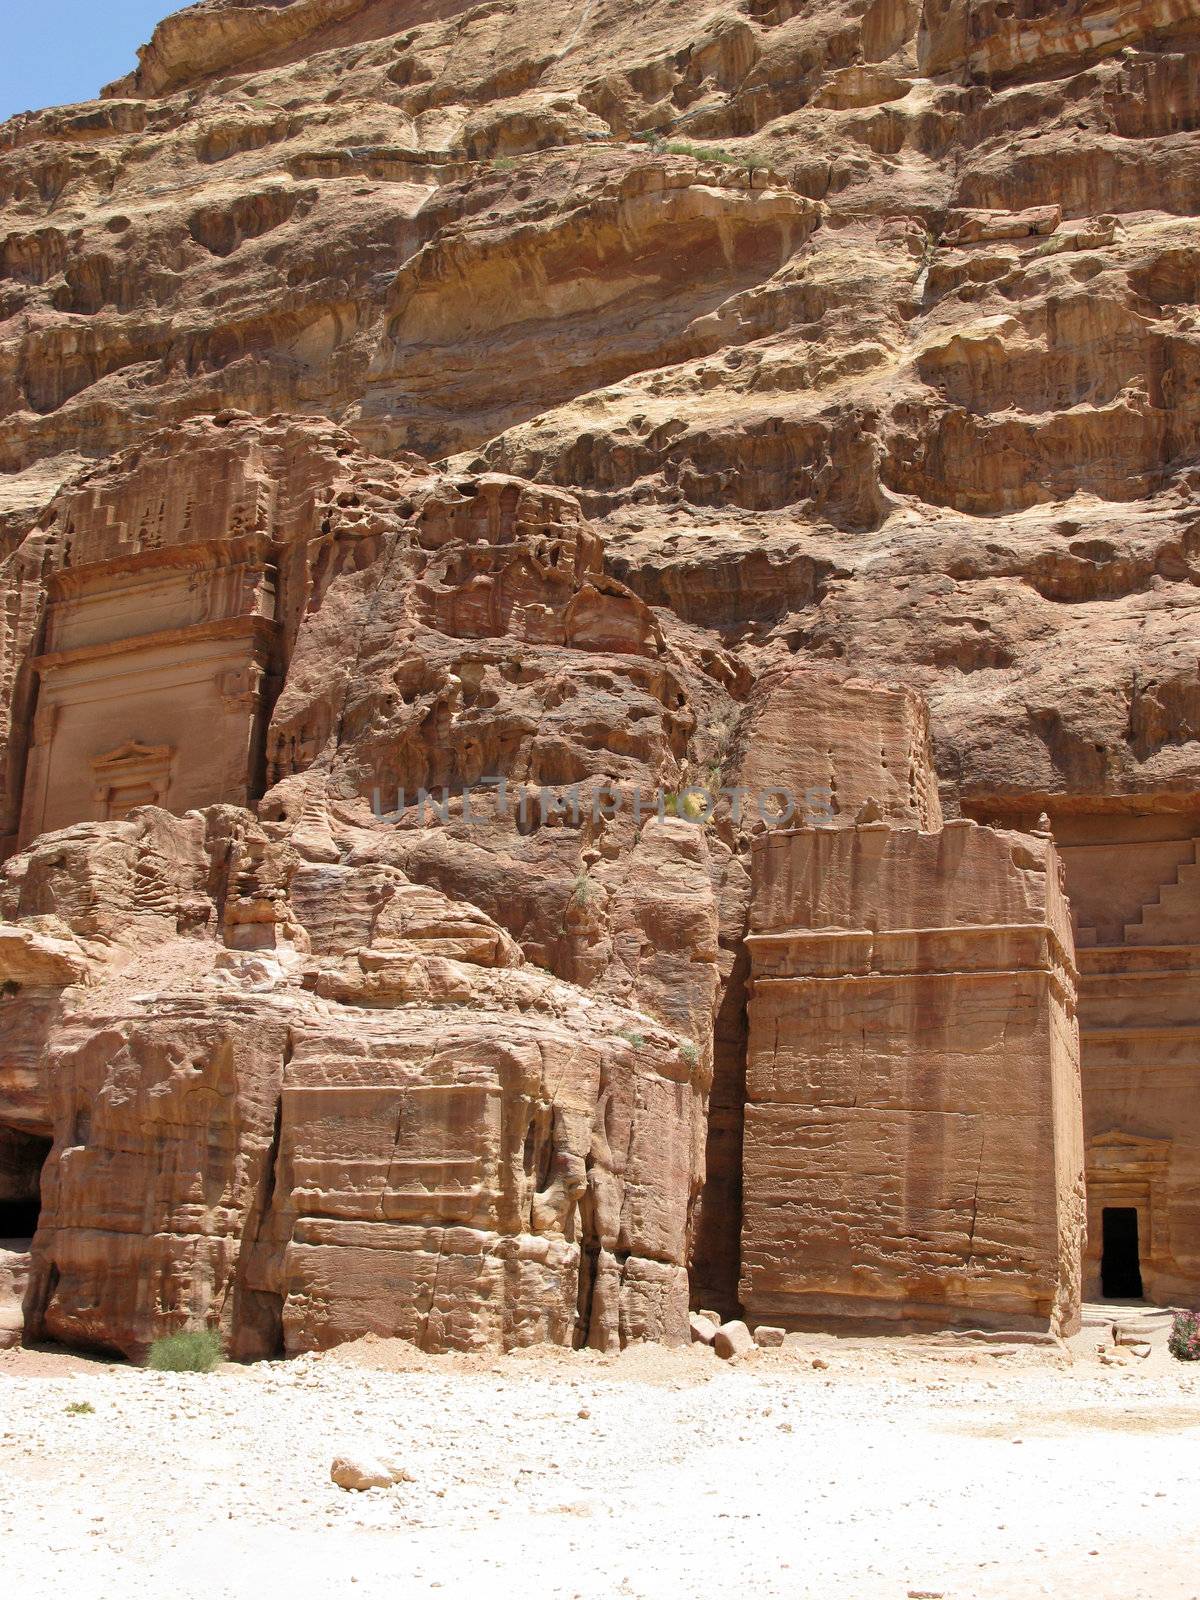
(895, 1470)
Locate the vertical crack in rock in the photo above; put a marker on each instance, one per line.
(975, 1203)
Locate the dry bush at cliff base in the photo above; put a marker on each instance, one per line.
(197, 1350)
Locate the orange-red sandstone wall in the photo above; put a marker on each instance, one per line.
(1136, 891)
(913, 1149)
(833, 743)
(1134, 887)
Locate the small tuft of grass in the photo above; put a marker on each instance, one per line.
(582, 890)
(193, 1350)
(81, 1408)
(689, 1053)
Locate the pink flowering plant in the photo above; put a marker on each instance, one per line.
(1184, 1343)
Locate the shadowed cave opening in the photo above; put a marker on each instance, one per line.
(21, 1159)
(18, 1221)
(1120, 1260)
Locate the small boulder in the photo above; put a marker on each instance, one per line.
(733, 1339)
(768, 1338)
(367, 1472)
(1129, 1334)
(711, 1316)
(703, 1331)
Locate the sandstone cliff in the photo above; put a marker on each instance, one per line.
(406, 395)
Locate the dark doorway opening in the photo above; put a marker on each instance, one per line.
(22, 1156)
(1120, 1261)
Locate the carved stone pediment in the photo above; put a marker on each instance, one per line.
(1117, 1151)
(134, 774)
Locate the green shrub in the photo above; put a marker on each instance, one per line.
(1184, 1340)
(725, 158)
(637, 1040)
(689, 805)
(195, 1350)
(689, 1053)
(684, 147)
(81, 1408)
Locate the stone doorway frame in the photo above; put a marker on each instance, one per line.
(1127, 1169)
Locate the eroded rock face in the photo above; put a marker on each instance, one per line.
(810, 389)
(433, 1064)
(386, 1122)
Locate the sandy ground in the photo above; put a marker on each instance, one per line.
(894, 1469)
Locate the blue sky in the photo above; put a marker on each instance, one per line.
(56, 51)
